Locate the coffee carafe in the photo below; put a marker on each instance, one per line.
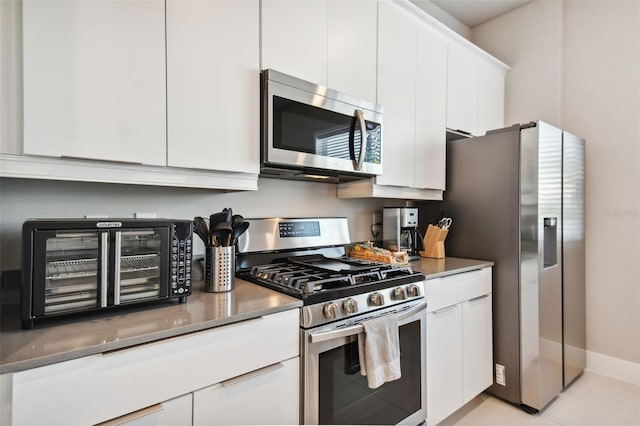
(400, 230)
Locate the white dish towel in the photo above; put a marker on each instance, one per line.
(379, 349)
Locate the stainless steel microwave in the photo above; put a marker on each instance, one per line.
(309, 131)
(80, 265)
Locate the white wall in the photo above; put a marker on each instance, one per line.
(576, 65)
(27, 198)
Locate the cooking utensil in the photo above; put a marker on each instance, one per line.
(201, 229)
(238, 230)
(236, 219)
(215, 221)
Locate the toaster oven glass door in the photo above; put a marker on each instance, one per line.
(73, 276)
(141, 261)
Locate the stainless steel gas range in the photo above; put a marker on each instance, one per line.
(305, 258)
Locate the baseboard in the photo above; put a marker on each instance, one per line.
(613, 367)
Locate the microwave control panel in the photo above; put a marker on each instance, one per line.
(181, 255)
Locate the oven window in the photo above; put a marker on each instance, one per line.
(345, 397)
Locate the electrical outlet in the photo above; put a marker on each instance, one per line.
(500, 377)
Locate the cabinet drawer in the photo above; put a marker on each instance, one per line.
(447, 291)
(100, 387)
(177, 411)
(267, 396)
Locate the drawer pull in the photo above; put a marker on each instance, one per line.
(251, 374)
(478, 298)
(133, 416)
(439, 311)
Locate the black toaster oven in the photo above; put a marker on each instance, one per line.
(80, 265)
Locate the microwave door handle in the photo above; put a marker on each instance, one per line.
(116, 269)
(357, 163)
(104, 277)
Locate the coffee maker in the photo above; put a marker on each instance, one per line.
(400, 231)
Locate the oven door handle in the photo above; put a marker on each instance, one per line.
(359, 328)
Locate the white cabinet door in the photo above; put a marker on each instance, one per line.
(94, 80)
(444, 362)
(490, 97)
(266, 396)
(294, 38)
(397, 93)
(120, 382)
(431, 110)
(477, 345)
(352, 40)
(175, 412)
(213, 86)
(462, 89)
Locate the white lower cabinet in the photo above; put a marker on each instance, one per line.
(268, 396)
(125, 382)
(459, 341)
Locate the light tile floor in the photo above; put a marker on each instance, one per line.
(592, 400)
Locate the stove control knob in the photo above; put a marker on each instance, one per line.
(413, 290)
(350, 306)
(330, 310)
(399, 293)
(376, 299)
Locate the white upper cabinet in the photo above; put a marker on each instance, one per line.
(397, 38)
(475, 91)
(412, 88)
(213, 86)
(94, 80)
(490, 97)
(462, 89)
(294, 38)
(327, 42)
(431, 110)
(352, 47)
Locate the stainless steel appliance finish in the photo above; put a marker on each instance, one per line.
(573, 258)
(312, 132)
(400, 230)
(331, 376)
(506, 194)
(305, 258)
(76, 265)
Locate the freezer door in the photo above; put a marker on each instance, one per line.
(541, 265)
(573, 258)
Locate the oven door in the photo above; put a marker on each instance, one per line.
(334, 390)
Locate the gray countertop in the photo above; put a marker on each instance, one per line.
(436, 268)
(64, 339)
(61, 340)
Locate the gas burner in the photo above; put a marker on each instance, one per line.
(313, 268)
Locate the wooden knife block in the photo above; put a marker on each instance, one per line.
(434, 242)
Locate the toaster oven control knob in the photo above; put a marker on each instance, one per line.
(413, 290)
(330, 310)
(350, 306)
(376, 299)
(399, 293)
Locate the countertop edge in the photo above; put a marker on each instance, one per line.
(18, 366)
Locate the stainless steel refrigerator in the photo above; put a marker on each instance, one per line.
(516, 196)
